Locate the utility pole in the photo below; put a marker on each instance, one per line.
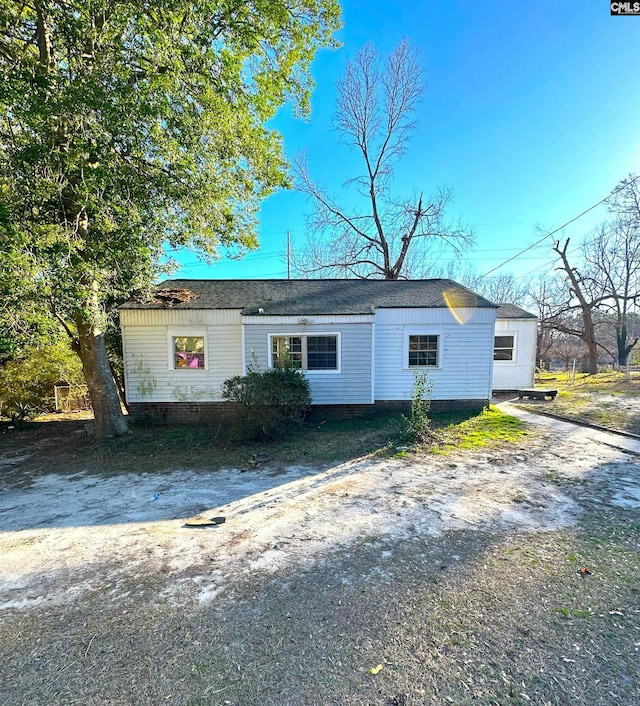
(288, 255)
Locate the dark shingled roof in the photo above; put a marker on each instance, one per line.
(511, 311)
(300, 297)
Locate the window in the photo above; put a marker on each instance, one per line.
(503, 348)
(423, 350)
(287, 351)
(322, 353)
(188, 351)
(305, 352)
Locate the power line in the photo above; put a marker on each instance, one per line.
(564, 225)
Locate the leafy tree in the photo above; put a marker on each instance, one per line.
(125, 126)
(26, 383)
(387, 236)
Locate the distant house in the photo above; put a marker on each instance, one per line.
(360, 343)
(514, 355)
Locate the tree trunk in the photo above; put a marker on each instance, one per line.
(589, 333)
(624, 347)
(592, 356)
(109, 420)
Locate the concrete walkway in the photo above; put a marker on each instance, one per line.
(575, 431)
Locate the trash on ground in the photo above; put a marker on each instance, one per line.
(202, 521)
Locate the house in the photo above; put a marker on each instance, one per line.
(514, 359)
(360, 343)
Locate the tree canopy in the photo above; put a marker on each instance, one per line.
(127, 126)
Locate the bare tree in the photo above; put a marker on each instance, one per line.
(612, 258)
(576, 307)
(567, 349)
(500, 289)
(388, 237)
(625, 202)
(581, 296)
(546, 296)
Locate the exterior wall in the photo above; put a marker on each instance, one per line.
(519, 372)
(465, 361)
(350, 385)
(149, 372)
(366, 374)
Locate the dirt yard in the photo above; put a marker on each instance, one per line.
(417, 580)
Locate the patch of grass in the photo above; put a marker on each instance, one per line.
(610, 381)
(162, 449)
(208, 447)
(589, 408)
(325, 443)
(606, 399)
(490, 427)
(571, 613)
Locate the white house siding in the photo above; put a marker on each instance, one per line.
(520, 372)
(466, 355)
(149, 372)
(352, 385)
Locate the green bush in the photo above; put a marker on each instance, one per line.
(26, 383)
(417, 426)
(271, 401)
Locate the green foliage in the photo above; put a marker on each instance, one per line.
(33, 329)
(418, 424)
(26, 383)
(127, 127)
(272, 402)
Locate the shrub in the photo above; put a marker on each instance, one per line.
(418, 424)
(26, 383)
(271, 401)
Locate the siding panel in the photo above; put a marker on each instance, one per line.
(149, 376)
(179, 317)
(435, 316)
(352, 385)
(518, 373)
(466, 362)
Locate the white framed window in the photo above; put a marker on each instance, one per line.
(317, 352)
(504, 347)
(422, 348)
(187, 349)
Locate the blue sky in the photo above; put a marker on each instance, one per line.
(531, 114)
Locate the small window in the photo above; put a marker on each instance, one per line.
(188, 351)
(423, 351)
(503, 348)
(287, 352)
